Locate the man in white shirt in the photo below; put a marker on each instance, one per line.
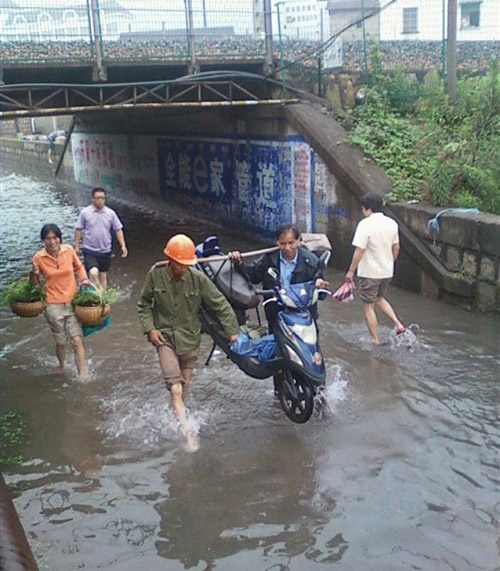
(377, 247)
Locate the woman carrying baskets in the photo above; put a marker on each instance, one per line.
(58, 263)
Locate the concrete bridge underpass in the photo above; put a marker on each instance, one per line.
(242, 153)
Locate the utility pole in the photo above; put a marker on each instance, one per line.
(280, 45)
(268, 28)
(100, 74)
(320, 59)
(188, 4)
(443, 40)
(364, 39)
(451, 51)
(204, 15)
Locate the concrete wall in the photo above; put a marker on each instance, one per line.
(239, 168)
(31, 157)
(430, 21)
(467, 245)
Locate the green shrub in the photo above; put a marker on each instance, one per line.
(402, 92)
(12, 435)
(440, 183)
(465, 199)
(444, 152)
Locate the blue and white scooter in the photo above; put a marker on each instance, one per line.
(298, 353)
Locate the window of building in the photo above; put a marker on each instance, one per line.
(470, 14)
(69, 15)
(410, 20)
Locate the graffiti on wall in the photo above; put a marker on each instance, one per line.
(302, 184)
(118, 163)
(260, 183)
(325, 194)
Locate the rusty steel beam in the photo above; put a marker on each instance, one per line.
(48, 99)
(92, 109)
(15, 551)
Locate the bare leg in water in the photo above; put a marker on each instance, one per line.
(60, 354)
(371, 317)
(387, 308)
(79, 353)
(178, 392)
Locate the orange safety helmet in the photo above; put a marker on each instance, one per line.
(180, 248)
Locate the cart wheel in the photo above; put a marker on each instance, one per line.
(296, 398)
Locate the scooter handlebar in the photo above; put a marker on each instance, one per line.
(264, 291)
(271, 291)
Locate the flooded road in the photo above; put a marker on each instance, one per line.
(401, 474)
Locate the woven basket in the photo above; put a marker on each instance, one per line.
(27, 309)
(91, 315)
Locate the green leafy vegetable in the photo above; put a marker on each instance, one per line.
(22, 290)
(88, 297)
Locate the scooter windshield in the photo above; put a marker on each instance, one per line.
(299, 296)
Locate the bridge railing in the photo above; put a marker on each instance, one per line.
(209, 30)
(53, 33)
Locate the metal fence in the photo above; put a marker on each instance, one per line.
(47, 31)
(307, 34)
(408, 37)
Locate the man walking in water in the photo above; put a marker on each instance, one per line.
(377, 247)
(169, 312)
(97, 223)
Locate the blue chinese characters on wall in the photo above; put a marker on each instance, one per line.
(248, 182)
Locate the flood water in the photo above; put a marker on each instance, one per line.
(401, 473)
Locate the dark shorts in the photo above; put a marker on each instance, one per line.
(94, 260)
(372, 289)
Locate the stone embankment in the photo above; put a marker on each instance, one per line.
(409, 55)
(467, 245)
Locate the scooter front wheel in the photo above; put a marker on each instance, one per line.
(296, 398)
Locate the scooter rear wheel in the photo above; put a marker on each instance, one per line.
(296, 398)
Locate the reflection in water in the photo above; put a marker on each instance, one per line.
(25, 206)
(223, 504)
(400, 474)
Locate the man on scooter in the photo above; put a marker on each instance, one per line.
(292, 264)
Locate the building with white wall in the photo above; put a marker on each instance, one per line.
(425, 19)
(348, 14)
(477, 20)
(23, 21)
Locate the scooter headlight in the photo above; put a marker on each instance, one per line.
(294, 357)
(306, 332)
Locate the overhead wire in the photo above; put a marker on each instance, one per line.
(316, 50)
(214, 74)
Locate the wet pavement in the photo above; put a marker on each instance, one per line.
(400, 474)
